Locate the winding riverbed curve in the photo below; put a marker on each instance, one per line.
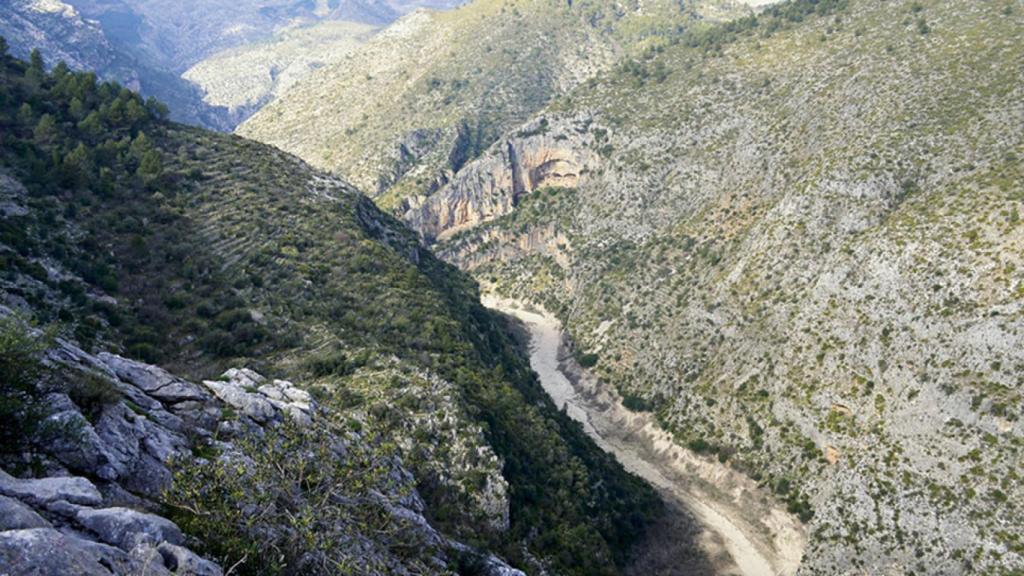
(743, 530)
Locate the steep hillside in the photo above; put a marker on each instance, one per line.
(199, 251)
(400, 115)
(797, 240)
(243, 79)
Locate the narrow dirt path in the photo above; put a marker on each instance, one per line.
(743, 531)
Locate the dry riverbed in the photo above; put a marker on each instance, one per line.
(737, 527)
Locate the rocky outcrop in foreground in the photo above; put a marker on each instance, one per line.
(94, 511)
(97, 506)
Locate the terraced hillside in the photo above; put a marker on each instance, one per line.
(201, 251)
(796, 239)
(400, 115)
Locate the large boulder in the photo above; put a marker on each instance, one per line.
(139, 449)
(42, 491)
(262, 401)
(83, 451)
(44, 551)
(16, 516)
(181, 560)
(128, 529)
(249, 404)
(153, 380)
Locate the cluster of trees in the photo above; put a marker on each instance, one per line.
(641, 72)
(71, 124)
(774, 18)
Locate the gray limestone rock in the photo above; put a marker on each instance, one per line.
(126, 528)
(16, 516)
(39, 492)
(153, 380)
(45, 551)
(185, 562)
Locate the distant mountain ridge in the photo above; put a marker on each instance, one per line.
(149, 45)
(401, 114)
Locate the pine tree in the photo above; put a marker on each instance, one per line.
(140, 146)
(151, 167)
(76, 109)
(36, 61)
(134, 113)
(45, 132)
(77, 167)
(92, 127)
(36, 71)
(26, 116)
(157, 109)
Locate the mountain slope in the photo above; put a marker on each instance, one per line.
(247, 77)
(401, 114)
(176, 35)
(797, 240)
(201, 251)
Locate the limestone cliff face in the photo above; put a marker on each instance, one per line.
(534, 157)
(494, 244)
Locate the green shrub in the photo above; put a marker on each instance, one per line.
(21, 413)
(295, 501)
(588, 360)
(637, 403)
(333, 363)
(91, 393)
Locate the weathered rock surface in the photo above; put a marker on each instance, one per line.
(43, 491)
(17, 516)
(127, 528)
(181, 560)
(153, 380)
(40, 551)
(262, 402)
(534, 157)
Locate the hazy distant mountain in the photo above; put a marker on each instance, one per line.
(176, 35)
(63, 33)
(149, 44)
(245, 78)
